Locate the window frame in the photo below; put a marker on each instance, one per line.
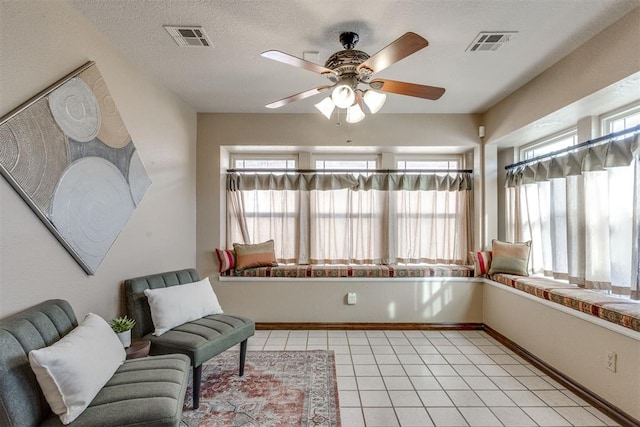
(266, 156)
(546, 141)
(328, 157)
(607, 119)
(460, 158)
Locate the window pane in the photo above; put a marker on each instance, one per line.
(429, 164)
(265, 164)
(346, 164)
(625, 122)
(548, 146)
(622, 120)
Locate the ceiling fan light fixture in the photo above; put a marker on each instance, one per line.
(374, 100)
(343, 95)
(326, 107)
(354, 114)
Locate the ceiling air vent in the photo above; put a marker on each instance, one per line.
(490, 41)
(188, 36)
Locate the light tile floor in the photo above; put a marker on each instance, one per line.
(436, 378)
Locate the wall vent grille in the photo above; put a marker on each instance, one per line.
(490, 41)
(188, 36)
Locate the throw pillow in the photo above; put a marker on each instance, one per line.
(73, 370)
(226, 259)
(510, 258)
(255, 255)
(481, 263)
(175, 305)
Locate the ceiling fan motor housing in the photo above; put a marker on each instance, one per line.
(346, 61)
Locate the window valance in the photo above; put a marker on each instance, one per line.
(458, 181)
(587, 159)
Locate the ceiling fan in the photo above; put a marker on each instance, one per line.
(350, 68)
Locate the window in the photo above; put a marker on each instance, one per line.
(347, 164)
(263, 162)
(621, 120)
(428, 164)
(578, 209)
(549, 145)
(353, 216)
(281, 216)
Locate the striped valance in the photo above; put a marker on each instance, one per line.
(458, 181)
(594, 158)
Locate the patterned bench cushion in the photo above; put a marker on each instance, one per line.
(623, 312)
(368, 271)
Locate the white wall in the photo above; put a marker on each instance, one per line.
(40, 42)
(571, 345)
(412, 300)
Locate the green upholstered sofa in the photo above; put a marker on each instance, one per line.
(142, 392)
(201, 339)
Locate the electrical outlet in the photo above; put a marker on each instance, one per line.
(351, 298)
(612, 359)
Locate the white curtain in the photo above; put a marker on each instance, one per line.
(580, 211)
(380, 218)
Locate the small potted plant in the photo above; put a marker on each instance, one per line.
(122, 327)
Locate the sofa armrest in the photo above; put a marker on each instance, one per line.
(21, 400)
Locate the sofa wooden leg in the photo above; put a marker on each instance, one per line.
(197, 377)
(243, 356)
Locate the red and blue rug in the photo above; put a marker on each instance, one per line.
(279, 388)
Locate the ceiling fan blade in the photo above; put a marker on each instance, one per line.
(297, 97)
(409, 89)
(400, 48)
(285, 58)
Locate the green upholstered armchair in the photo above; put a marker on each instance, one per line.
(201, 339)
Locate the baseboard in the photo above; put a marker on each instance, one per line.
(588, 396)
(370, 326)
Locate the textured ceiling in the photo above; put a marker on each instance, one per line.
(232, 77)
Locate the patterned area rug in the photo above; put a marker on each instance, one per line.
(279, 388)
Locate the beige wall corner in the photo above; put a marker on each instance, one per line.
(40, 43)
(606, 59)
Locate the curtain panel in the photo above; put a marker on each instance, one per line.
(342, 218)
(581, 212)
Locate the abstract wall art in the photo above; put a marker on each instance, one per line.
(68, 154)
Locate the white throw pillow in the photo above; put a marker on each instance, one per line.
(74, 369)
(174, 305)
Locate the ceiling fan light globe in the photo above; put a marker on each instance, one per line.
(326, 107)
(354, 114)
(343, 96)
(374, 100)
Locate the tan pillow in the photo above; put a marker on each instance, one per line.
(510, 258)
(254, 255)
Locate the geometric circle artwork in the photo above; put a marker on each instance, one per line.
(91, 205)
(75, 109)
(113, 131)
(69, 155)
(121, 157)
(139, 181)
(35, 152)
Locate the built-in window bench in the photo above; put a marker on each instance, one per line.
(617, 310)
(363, 271)
(569, 329)
(623, 312)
